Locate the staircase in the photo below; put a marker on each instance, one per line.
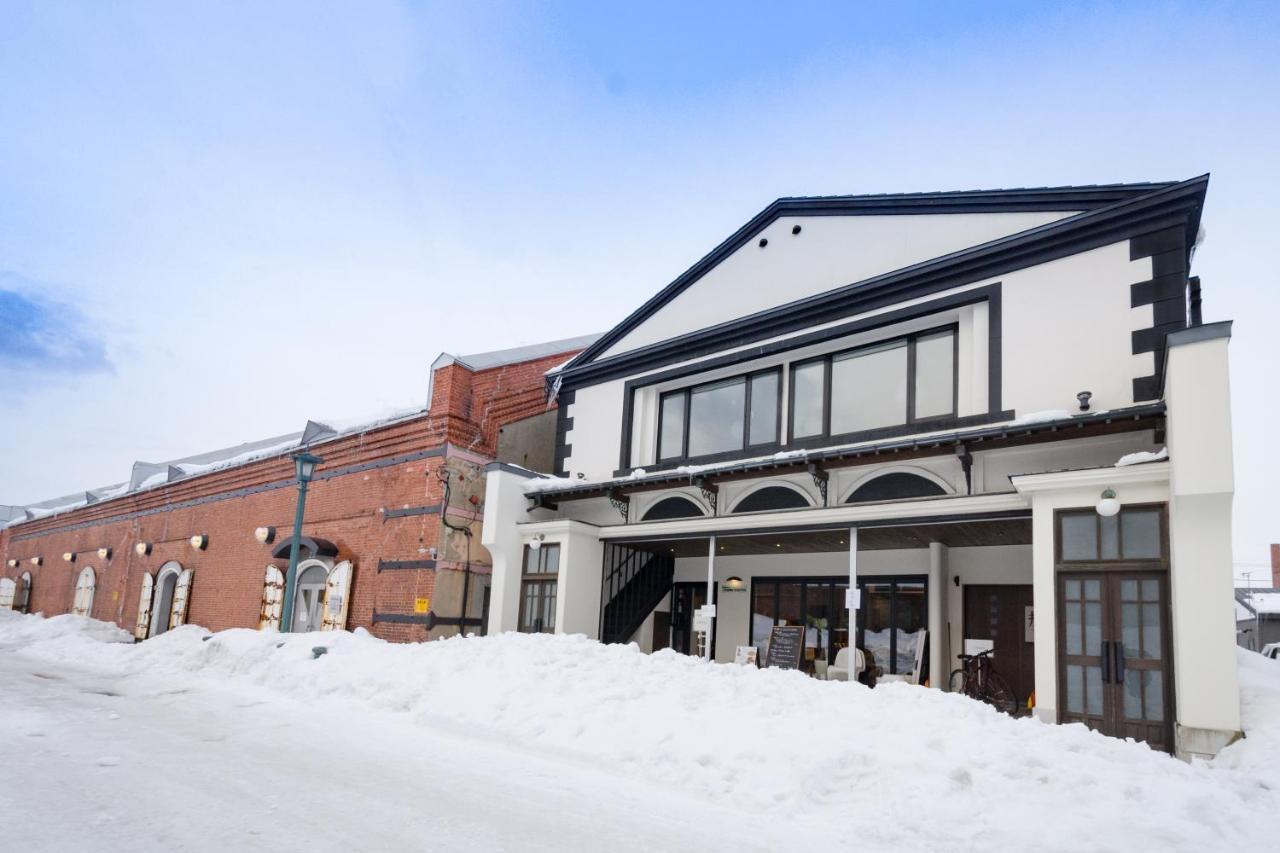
(634, 583)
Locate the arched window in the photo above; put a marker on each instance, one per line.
(772, 498)
(895, 486)
(672, 507)
(82, 605)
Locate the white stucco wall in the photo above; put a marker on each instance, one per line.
(829, 252)
(1066, 327)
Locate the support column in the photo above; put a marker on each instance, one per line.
(855, 598)
(938, 640)
(711, 595)
(1201, 487)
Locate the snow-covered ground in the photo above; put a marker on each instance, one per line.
(245, 740)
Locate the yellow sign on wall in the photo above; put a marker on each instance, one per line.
(421, 605)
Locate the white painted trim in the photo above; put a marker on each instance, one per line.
(1147, 472)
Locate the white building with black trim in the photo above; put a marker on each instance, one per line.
(927, 396)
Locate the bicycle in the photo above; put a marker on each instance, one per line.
(978, 679)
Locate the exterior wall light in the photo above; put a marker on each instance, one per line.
(104, 553)
(1107, 504)
(265, 535)
(200, 541)
(142, 549)
(536, 542)
(13, 563)
(70, 556)
(734, 583)
(35, 561)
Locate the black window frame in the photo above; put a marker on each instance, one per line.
(541, 578)
(826, 359)
(745, 447)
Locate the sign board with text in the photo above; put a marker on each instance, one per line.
(786, 645)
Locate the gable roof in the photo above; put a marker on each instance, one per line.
(1105, 209)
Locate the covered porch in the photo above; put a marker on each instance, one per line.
(925, 586)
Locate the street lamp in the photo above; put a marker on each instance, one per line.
(304, 468)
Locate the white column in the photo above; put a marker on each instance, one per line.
(1201, 485)
(711, 594)
(938, 641)
(854, 598)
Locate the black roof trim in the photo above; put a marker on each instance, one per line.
(770, 464)
(1108, 208)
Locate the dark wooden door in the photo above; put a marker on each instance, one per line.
(661, 629)
(1114, 672)
(1002, 614)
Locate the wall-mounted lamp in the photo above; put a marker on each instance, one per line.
(536, 542)
(1107, 503)
(200, 541)
(735, 583)
(142, 549)
(104, 553)
(35, 561)
(1084, 397)
(70, 556)
(13, 563)
(265, 535)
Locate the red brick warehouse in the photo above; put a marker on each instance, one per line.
(205, 539)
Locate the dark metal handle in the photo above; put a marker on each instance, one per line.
(1119, 649)
(1106, 661)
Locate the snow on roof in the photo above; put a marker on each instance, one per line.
(149, 475)
(498, 358)
(1262, 601)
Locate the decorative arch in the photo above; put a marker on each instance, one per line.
(897, 485)
(166, 586)
(672, 507)
(773, 496)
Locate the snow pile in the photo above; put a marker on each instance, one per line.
(1141, 457)
(906, 765)
(66, 632)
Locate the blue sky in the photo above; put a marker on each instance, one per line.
(210, 211)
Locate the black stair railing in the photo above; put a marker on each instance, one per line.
(634, 583)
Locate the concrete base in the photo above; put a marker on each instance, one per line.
(1201, 743)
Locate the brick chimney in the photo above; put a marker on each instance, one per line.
(1275, 566)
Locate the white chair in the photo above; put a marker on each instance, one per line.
(839, 671)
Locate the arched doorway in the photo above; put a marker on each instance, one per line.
(22, 602)
(162, 601)
(308, 603)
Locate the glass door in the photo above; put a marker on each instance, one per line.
(1113, 641)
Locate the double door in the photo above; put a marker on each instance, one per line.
(1114, 671)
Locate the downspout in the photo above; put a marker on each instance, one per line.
(444, 475)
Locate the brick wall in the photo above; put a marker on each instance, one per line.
(391, 467)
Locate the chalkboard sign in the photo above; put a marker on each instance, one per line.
(786, 643)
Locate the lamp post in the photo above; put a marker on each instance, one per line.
(304, 467)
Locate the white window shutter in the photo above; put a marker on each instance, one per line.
(7, 590)
(272, 600)
(85, 584)
(144, 607)
(337, 597)
(181, 599)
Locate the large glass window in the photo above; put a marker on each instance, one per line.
(891, 624)
(1133, 534)
(898, 382)
(538, 586)
(869, 388)
(716, 414)
(719, 417)
(935, 391)
(671, 437)
(807, 393)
